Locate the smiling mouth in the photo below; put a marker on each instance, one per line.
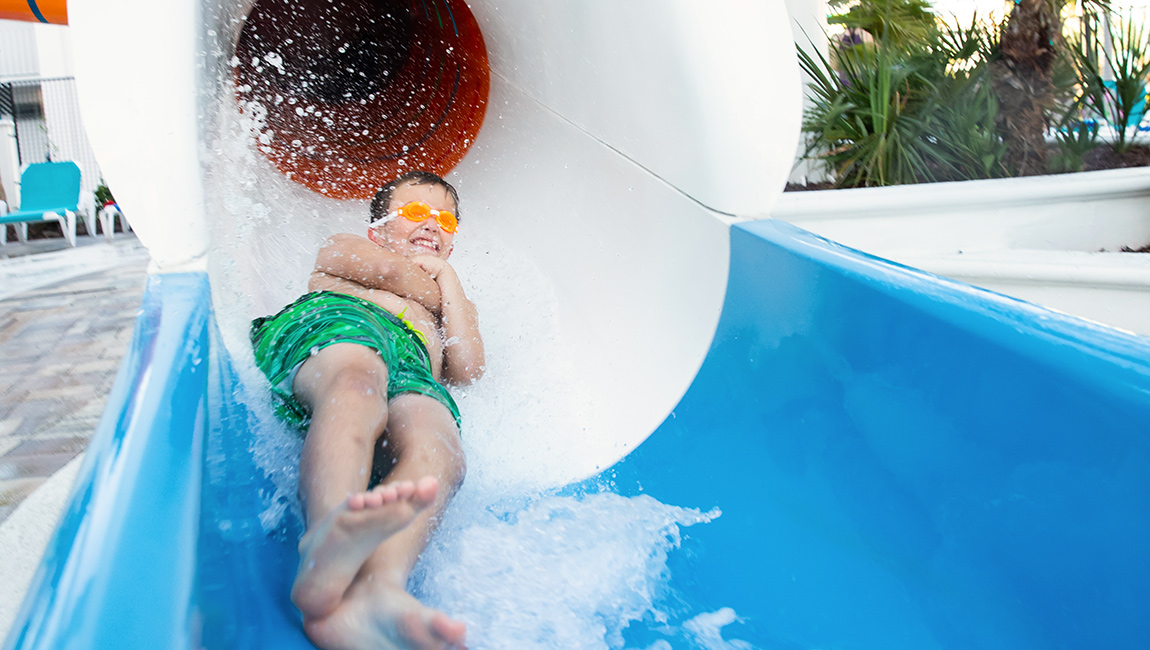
(426, 243)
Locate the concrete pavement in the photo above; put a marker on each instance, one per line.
(60, 348)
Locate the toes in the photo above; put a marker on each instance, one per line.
(387, 493)
(448, 630)
(415, 631)
(434, 632)
(372, 500)
(405, 489)
(425, 490)
(421, 494)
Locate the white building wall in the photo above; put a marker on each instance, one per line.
(18, 60)
(9, 165)
(30, 51)
(18, 56)
(54, 50)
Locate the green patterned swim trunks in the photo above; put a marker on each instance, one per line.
(283, 342)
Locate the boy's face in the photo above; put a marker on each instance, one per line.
(410, 238)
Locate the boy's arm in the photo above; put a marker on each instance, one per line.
(372, 266)
(323, 282)
(464, 360)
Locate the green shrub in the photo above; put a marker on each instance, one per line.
(893, 113)
(1075, 139)
(103, 195)
(1121, 98)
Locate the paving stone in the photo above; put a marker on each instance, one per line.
(117, 350)
(36, 466)
(13, 368)
(64, 392)
(77, 329)
(13, 324)
(40, 381)
(56, 365)
(34, 408)
(6, 444)
(38, 304)
(82, 428)
(97, 366)
(10, 382)
(52, 445)
(96, 380)
(46, 327)
(37, 415)
(73, 350)
(12, 492)
(60, 350)
(8, 427)
(94, 408)
(24, 354)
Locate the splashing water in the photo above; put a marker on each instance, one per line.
(560, 572)
(546, 572)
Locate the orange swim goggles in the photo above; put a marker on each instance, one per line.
(418, 211)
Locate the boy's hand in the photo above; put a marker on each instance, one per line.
(430, 264)
(373, 266)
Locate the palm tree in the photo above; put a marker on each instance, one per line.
(1023, 78)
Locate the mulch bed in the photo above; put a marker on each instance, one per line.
(1099, 158)
(1106, 158)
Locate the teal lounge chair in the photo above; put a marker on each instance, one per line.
(47, 191)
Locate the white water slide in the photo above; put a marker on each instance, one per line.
(606, 144)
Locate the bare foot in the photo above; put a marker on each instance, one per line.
(333, 550)
(384, 617)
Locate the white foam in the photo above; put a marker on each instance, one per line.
(558, 572)
(706, 630)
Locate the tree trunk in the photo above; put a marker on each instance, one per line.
(1022, 81)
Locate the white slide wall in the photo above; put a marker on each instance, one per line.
(640, 129)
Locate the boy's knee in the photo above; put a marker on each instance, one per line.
(459, 474)
(456, 467)
(444, 451)
(358, 384)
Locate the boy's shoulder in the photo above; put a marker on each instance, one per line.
(355, 243)
(346, 237)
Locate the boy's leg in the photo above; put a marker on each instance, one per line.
(422, 440)
(345, 386)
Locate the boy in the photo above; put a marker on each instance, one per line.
(363, 355)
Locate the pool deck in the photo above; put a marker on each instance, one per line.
(61, 346)
(66, 319)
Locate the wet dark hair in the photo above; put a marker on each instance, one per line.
(382, 199)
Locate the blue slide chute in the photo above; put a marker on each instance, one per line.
(900, 461)
(907, 462)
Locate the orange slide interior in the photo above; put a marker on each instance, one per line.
(359, 91)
